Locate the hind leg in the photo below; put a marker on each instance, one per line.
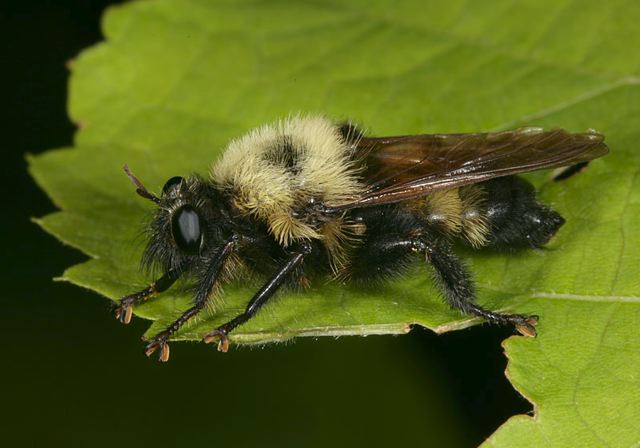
(388, 254)
(458, 289)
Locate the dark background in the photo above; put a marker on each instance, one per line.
(72, 376)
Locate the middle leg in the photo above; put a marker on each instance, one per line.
(260, 298)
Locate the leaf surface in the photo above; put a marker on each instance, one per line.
(176, 80)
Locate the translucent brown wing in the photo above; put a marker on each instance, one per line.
(407, 167)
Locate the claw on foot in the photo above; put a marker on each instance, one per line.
(124, 313)
(223, 343)
(526, 326)
(158, 344)
(125, 309)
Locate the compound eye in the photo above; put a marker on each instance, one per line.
(171, 185)
(186, 227)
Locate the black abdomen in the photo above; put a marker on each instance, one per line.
(515, 217)
(501, 213)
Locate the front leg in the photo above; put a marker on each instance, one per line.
(125, 309)
(259, 299)
(205, 288)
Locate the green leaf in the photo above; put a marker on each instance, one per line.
(176, 79)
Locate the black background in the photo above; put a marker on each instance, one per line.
(73, 376)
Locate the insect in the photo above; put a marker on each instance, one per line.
(307, 196)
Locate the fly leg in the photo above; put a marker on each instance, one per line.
(205, 288)
(457, 287)
(125, 309)
(388, 254)
(265, 293)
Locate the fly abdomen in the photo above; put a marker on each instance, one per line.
(515, 216)
(500, 213)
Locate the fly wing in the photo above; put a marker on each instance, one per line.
(408, 167)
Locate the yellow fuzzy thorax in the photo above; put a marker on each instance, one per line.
(256, 169)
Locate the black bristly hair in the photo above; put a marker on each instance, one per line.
(161, 252)
(378, 256)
